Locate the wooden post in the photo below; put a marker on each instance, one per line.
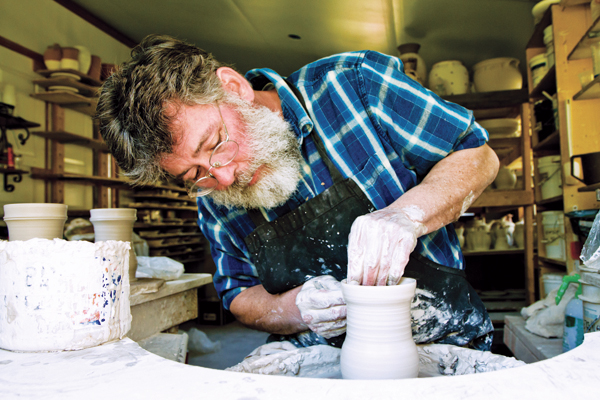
(58, 154)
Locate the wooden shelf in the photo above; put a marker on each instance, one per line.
(493, 252)
(10, 122)
(553, 261)
(40, 173)
(547, 84)
(82, 88)
(507, 149)
(590, 91)
(47, 73)
(590, 188)
(74, 101)
(161, 206)
(570, 3)
(145, 225)
(500, 198)
(486, 100)
(551, 143)
(185, 199)
(71, 138)
(582, 48)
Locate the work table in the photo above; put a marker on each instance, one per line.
(124, 370)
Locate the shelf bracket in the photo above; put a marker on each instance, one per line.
(8, 187)
(23, 139)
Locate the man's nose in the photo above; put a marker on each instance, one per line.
(225, 174)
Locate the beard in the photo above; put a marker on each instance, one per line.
(272, 145)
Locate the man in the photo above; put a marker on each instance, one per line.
(340, 170)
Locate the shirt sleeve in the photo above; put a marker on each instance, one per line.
(235, 272)
(416, 122)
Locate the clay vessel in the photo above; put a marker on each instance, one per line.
(85, 59)
(519, 235)
(379, 343)
(52, 56)
(116, 224)
(506, 179)
(496, 74)
(95, 68)
(70, 58)
(414, 65)
(35, 220)
(449, 78)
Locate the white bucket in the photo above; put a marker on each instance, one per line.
(550, 178)
(591, 315)
(539, 67)
(553, 225)
(551, 282)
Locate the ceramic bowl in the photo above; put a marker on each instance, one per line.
(35, 220)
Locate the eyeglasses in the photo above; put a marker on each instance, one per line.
(222, 154)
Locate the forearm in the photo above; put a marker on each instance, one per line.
(449, 188)
(258, 309)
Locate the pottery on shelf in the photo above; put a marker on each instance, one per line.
(519, 235)
(85, 59)
(70, 58)
(95, 67)
(379, 343)
(414, 65)
(477, 235)
(35, 220)
(448, 78)
(52, 56)
(506, 179)
(496, 74)
(116, 224)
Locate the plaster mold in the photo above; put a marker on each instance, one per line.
(59, 295)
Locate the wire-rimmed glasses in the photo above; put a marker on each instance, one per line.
(222, 154)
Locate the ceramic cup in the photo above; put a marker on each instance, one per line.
(116, 224)
(35, 220)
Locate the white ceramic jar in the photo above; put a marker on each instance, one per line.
(116, 224)
(448, 78)
(379, 343)
(497, 74)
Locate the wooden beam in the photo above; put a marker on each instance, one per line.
(37, 58)
(97, 22)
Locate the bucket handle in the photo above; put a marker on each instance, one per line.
(573, 169)
(542, 181)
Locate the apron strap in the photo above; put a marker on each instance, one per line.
(255, 214)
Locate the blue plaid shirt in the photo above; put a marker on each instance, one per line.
(379, 127)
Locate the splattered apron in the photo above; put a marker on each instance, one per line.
(312, 241)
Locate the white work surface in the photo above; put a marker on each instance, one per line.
(527, 346)
(123, 370)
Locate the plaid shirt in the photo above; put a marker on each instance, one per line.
(379, 127)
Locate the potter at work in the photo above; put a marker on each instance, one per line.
(347, 168)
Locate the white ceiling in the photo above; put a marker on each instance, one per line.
(254, 33)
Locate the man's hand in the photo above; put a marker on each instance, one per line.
(322, 306)
(380, 244)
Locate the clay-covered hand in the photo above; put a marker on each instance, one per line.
(322, 306)
(380, 243)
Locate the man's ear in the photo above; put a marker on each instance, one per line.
(233, 82)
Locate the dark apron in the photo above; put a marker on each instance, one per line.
(312, 241)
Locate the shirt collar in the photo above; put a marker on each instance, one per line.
(292, 108)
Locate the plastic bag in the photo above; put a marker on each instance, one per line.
(590, 253)
(158, 267)
(200, 343)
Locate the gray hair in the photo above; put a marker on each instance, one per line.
(133, 101)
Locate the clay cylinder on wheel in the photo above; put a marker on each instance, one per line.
(116, 224)
(379, 343)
